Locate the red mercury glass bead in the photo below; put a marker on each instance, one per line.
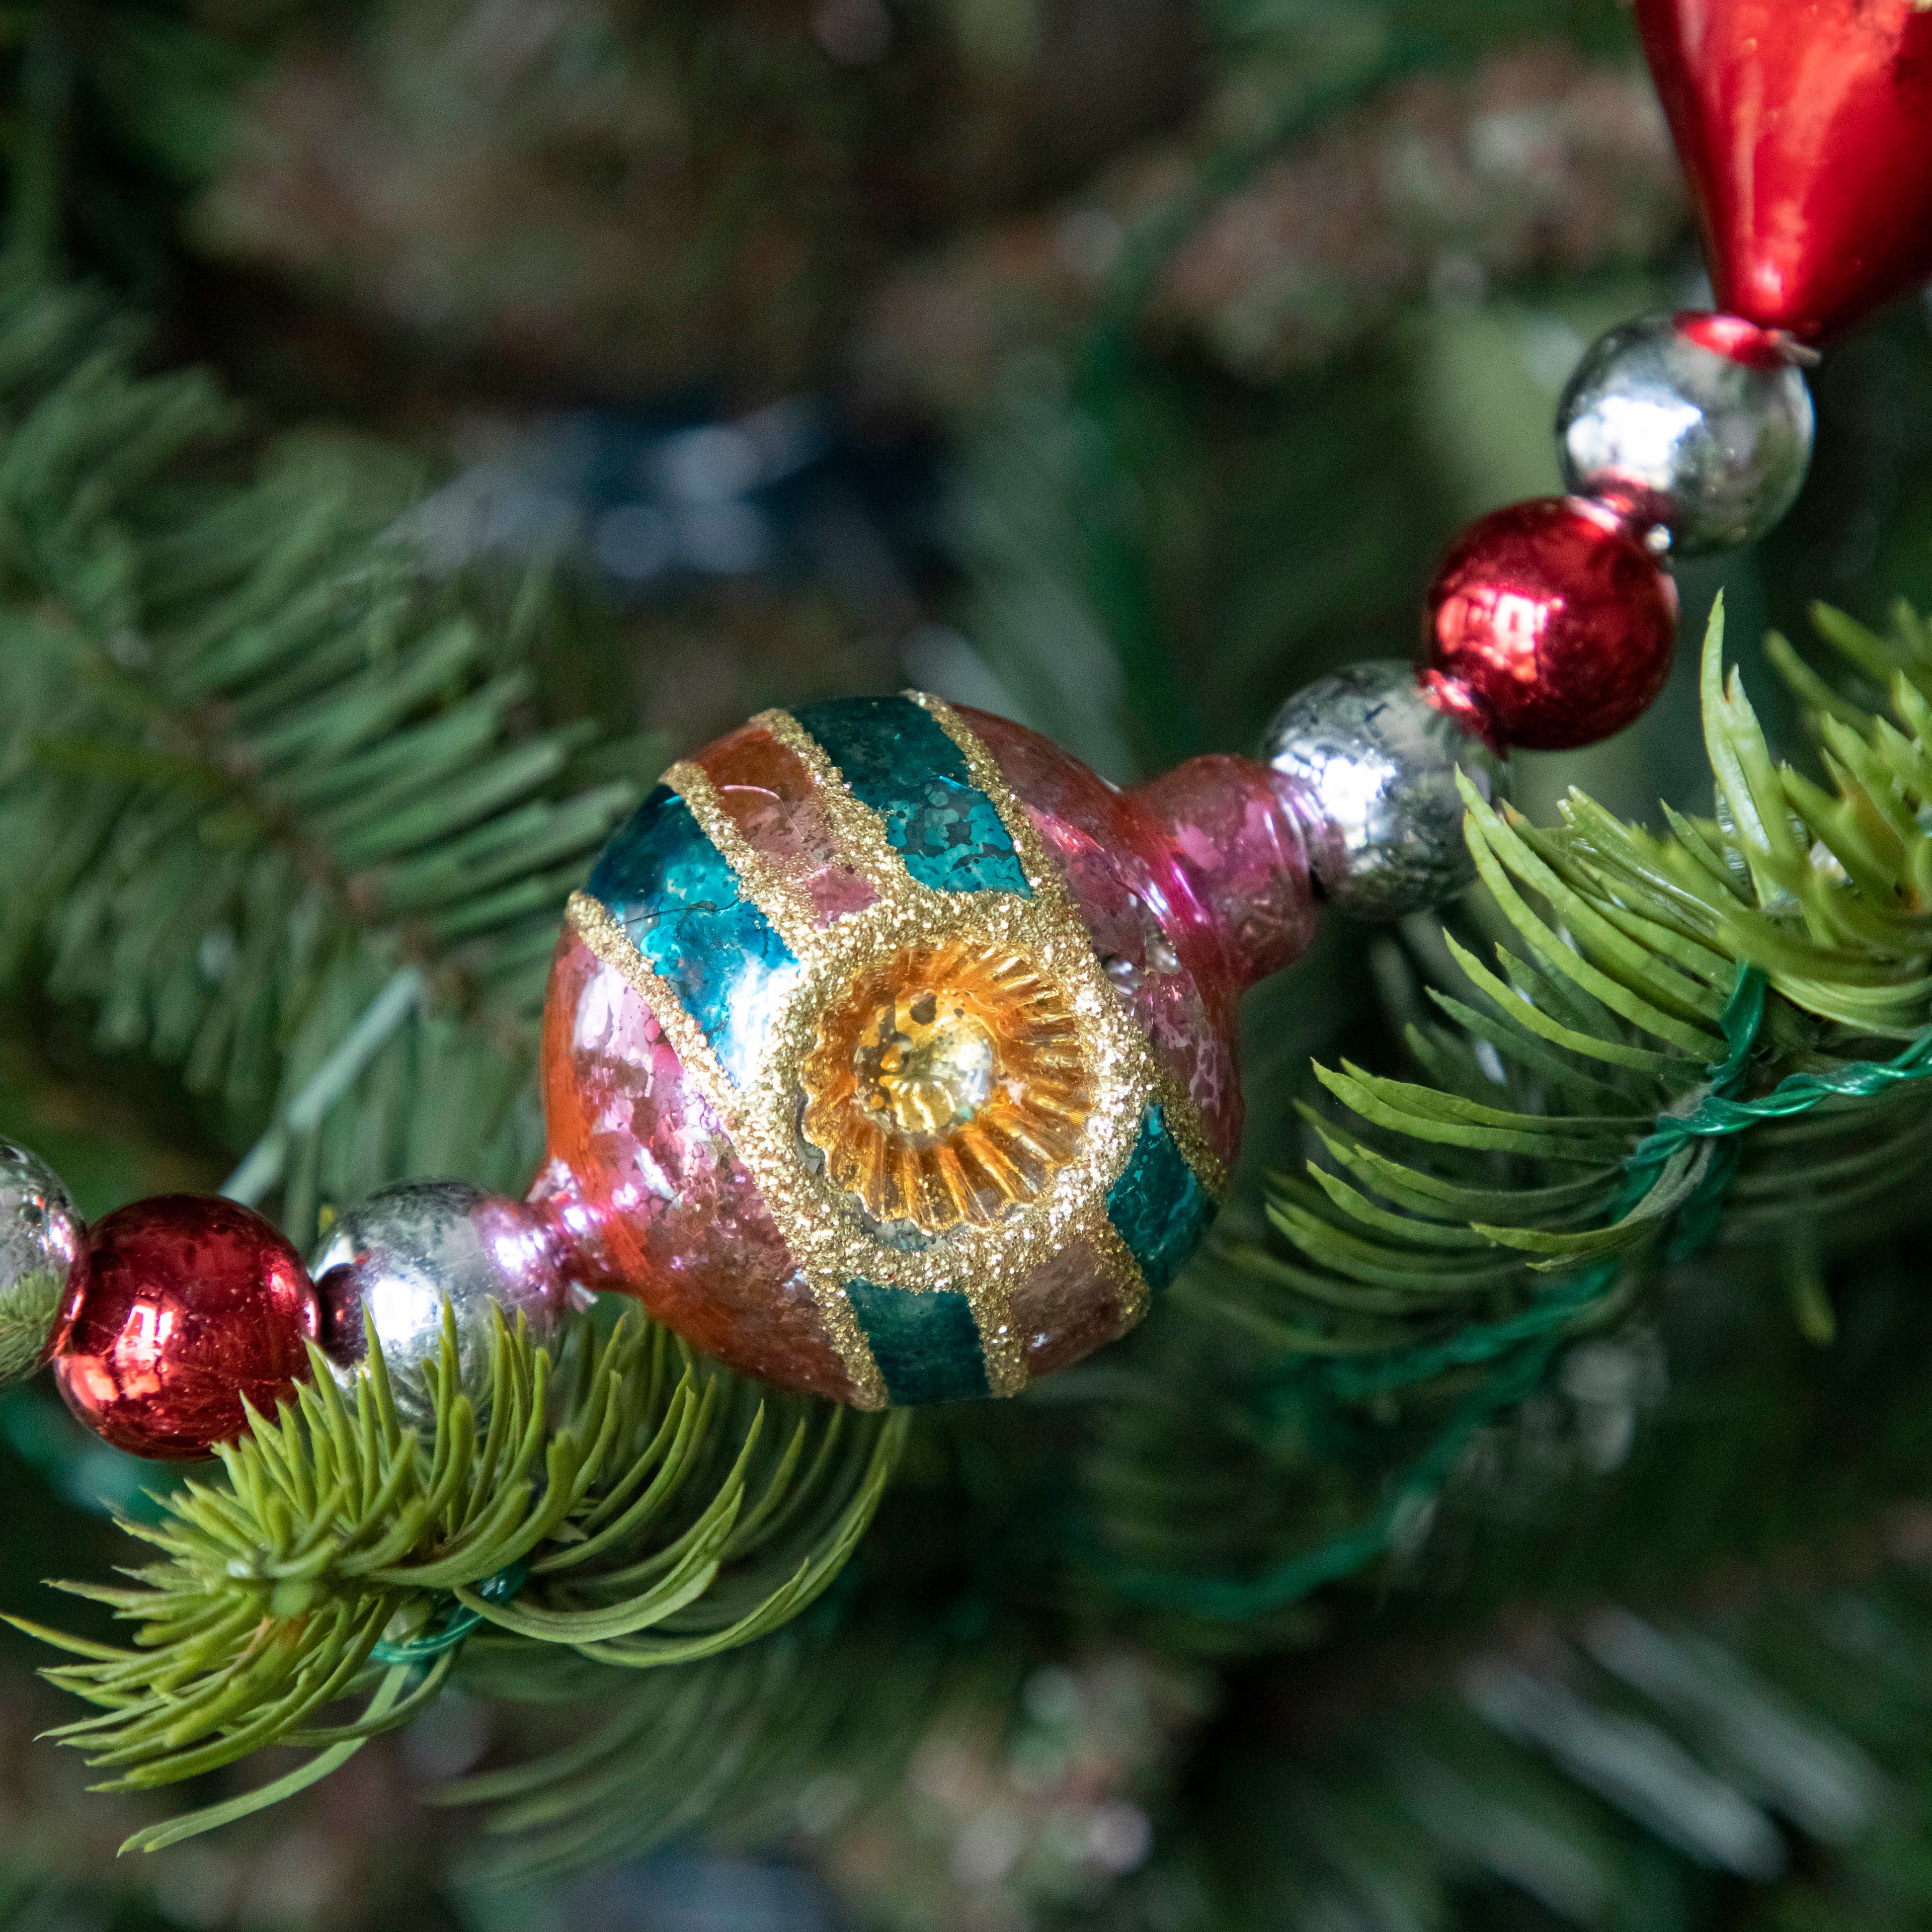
(1803, 126)
(1549, 625)
(192, 1303)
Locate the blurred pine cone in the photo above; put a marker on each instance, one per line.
(633, 196)
(1537, 162)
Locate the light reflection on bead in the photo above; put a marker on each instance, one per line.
(1552, 621)
(193, 1307)
(1377, 762)
(1700, 424)
(43, 1260)
(405, 1250)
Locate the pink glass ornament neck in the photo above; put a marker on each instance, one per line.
(1232, 845)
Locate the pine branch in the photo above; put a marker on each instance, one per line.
(254, 761)
(1681, 1040)
(1602, 1016)
(661, 1514)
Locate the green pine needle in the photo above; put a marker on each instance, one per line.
(255, 760)
(667, 1512)
(1598, 1017)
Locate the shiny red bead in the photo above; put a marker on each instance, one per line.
(192, 1303)
(1806, 127)
(1549, 625)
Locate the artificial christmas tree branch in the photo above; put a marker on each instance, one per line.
(257, 762)
(1613, 1002)
(1811, 1119)
(644, 1493)
(1550, 1149)
(205, 710)
(1686, 1040)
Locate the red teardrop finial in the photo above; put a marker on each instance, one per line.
(1806, 128)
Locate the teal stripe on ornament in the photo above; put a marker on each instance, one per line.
(682, 908)
(1157, 1206)
(895, 757)
(926, 1344)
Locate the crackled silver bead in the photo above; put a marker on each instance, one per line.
(1377, 763)
(405, 1250)
(1698, 424)
(42, 1259)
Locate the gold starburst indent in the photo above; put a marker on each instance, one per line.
(949, 1087)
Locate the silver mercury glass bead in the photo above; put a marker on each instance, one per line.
(42, 1259)
(1698, 425)
(1377, 762)
(403, 1251)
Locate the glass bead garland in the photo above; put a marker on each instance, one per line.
(190, 1306)
(392, 1264)
(979, 998)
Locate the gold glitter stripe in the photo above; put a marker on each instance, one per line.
(1123, 1271)
(1184, 1121)
(864, 843)
(834, 1311)
(1190, 1134)
(991, 1302)
(1042, 873)
(594, 923)
(858, 830)
(791, 914)
(603, 932)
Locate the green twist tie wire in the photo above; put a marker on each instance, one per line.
(1716, 1114)
(500, 1588)
(1523, 1347)
(1483, 1341)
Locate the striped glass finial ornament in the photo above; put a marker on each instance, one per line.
(889, 1051)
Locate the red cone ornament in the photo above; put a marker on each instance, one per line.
(1806, 128)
